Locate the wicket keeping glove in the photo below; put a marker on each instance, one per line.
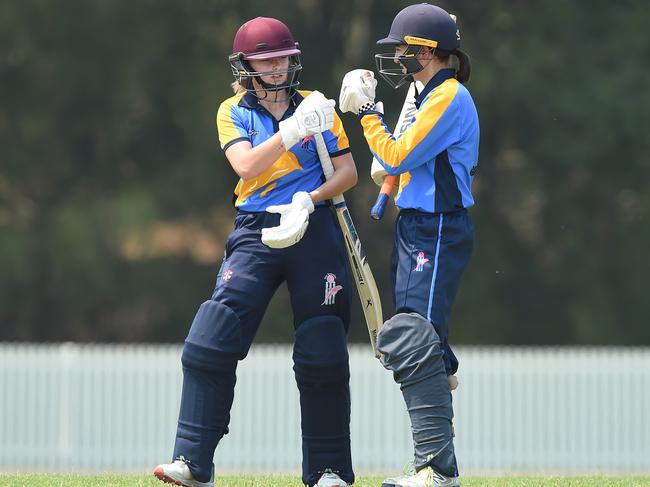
(314, 115)
(358, 91)
(294, 218)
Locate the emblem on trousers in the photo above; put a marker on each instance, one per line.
(420, 261)
(331, 288)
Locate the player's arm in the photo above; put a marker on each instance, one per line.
(246, 160)
(314, 115)
(249, 162)
(344, 178)
(434, 128)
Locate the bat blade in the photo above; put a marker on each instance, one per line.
(361, 273)
(362, 276)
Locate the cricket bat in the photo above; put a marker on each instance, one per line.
(403, 122)
(361, 273)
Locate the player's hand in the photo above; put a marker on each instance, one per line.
(358, 91)
(294, 219)
(314, 115)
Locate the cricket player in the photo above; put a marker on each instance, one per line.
(285, 231)
(436, 158)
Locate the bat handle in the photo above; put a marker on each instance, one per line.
(377, 211)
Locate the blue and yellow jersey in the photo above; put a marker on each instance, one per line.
(437, 155)
(242, 118)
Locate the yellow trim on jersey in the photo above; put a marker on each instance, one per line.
(271, 187)
(342, 141)
(225, 126)
(394, 151)
(420, 41)
(286, 163)
(404, 180)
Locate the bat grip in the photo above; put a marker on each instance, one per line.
(377, 211)
(326, 164)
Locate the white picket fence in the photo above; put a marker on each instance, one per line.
(70, 407)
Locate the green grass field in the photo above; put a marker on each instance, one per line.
(45, 480)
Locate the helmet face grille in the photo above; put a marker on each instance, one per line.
(398, 69)
(244, 74)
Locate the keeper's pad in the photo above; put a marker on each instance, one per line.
(410, 348)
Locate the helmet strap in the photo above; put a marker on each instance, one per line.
(409, 60)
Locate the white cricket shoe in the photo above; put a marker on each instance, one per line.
(178, 473)
(330, 479)
(427, 477)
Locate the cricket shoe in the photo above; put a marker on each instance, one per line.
(178, 473)
(427, 477)
(330, 479)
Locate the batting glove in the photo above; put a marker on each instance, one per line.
(314, 115)
(294, 218)
(358, 91)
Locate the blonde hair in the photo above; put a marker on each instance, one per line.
(237, 87)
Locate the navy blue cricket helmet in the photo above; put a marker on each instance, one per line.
(417, 26)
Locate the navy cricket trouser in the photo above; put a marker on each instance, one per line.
(316, 273)
(430, 253)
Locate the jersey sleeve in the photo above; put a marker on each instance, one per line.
(230, 126)
(336, 139)
(436, 127)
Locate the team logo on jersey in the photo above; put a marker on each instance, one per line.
(420, 261)
(331, 288)
(253, 132)
(227, 275)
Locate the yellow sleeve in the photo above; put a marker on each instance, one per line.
(432, 131)
(230, 127)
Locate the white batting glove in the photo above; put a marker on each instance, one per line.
(358, 91)
(294, 219)
(314, 115)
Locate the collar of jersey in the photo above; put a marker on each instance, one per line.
(249, 100)
(439, 78)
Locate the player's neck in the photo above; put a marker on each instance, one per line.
(429, 71)
(275, 102)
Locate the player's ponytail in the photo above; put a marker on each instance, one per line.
(464, 66)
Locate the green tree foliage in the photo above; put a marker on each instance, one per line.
(115, 197)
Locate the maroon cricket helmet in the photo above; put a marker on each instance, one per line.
(264, 38)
